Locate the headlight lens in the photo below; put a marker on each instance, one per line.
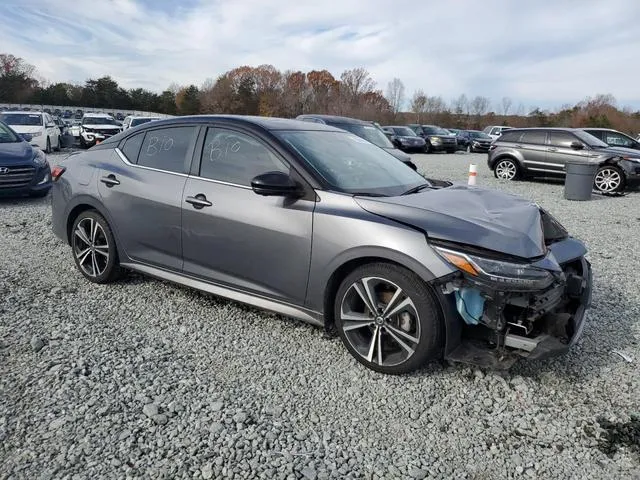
(434, 139)
(632, 159)
(511, 276)
(39, 158)
(35, 134)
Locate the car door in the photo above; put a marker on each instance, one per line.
(560, 150)
(532, 145)
(141, 187)
(235, 237)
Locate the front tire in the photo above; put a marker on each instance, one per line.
(94, 248)
(388, 318)
(59, 146)
(506, 169)
(469, 149)
(47, 149)
(609, 179)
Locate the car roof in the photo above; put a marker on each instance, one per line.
(395, 126)
(600, 129)
(334, 118)
(266, 123)
(26, 112)
(101, 115)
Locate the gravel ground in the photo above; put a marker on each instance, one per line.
(146, 379)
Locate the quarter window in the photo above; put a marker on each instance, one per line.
(131, 147)
(510, 136)
(168, 148)
(536, 137)
(237, 158)
(561, 139)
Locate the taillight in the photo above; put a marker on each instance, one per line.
(56, 172)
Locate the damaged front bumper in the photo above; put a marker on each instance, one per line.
(491, 326)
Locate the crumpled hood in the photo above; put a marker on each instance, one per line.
(102, 126)
(474, 216)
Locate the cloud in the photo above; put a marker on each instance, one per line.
(543, 53)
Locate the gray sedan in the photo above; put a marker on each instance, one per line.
(316, 223)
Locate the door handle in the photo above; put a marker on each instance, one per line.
(552, 149)
(518, 146)
(199, 201)
(110, 180)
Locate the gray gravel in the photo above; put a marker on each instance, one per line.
(149, 380)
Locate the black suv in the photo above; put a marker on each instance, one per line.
(544, 152)
(473, 141)
(437, 138)
(613, 138)
(367, 130)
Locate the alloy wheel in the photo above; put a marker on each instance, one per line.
(91, 247)
(608, 180)
(380, 321)
(506, 170)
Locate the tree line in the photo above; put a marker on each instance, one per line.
(267, 91)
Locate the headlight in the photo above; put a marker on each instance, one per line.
(632, 159)
(35, 134)
(435, 139)
(509, 275)
(39, 158)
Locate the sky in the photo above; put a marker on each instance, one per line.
(540, 53)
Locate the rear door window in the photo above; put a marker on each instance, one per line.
(534, 137)
(168, 149)
(561, 139)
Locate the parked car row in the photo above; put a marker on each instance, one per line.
(529, 152)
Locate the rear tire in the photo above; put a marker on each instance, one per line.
(94, 248)
(388, 318)
(59, 146)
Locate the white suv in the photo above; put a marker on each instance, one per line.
(494, 131)
(133, 121)
(95, 127)
(40, 126)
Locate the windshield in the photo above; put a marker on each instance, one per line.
(352, 165)
(24, 119)
(482, 135)
(140, 121)
(98, 121)
(590, 139)
(435, 131)
(368, 132)
(7, 135)
(404, 132)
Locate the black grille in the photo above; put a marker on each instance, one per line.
(16, 177)
(449, 140)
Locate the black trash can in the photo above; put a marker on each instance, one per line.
(579, 181)
(67, 141)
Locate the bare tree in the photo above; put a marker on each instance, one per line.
(520, 111)
(356, 82)
(461, 105)
(418, 104)
(506, 105)
(395, 95)
(479, 105)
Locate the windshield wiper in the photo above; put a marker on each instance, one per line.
(422, 186)
(367, 194)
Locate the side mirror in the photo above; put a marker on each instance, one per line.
(577, 145)
(26, 137)
(276, 184)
